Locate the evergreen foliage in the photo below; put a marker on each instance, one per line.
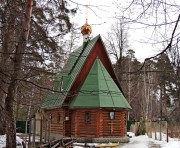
(142, 127)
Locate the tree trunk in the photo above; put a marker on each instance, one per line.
(9, 104)
(10, 120)
(7, 47)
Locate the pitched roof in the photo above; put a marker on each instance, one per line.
(68, 75)
(99, 90)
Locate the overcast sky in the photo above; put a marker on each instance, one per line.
(101, 18)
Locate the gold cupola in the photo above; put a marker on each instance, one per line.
(86, 29)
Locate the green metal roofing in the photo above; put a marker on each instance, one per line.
(105, 89)
(68, 74)
(99, 90)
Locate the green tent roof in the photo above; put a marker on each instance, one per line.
(68, 75)
(99, 90)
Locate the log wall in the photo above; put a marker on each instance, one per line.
(56, 118)
(100, 123)
(79, 126)
(114, 127)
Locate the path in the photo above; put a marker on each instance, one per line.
(141, 142)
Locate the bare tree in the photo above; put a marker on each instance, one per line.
(160, 21)
(117, 43)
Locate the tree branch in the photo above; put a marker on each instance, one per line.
(163, 51)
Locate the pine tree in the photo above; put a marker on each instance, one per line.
(27, 49)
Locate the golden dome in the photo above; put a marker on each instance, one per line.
(86, 29)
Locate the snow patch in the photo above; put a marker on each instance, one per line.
(144, 141)
(130, 134)
(3, 141)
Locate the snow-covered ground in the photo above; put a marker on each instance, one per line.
(146, 142)
(135, 142)
(143, 142)
(3, 141)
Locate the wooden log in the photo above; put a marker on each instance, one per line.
(57, 145)
(66, 143)
(48, 144)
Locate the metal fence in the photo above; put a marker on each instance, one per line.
(21, 127)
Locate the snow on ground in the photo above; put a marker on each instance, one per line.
(135, 142)
(142, 142)
(145, 142)
(3, 141)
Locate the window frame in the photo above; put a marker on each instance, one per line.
(87, 118)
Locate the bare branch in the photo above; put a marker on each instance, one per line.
(167, 48)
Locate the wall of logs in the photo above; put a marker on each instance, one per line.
(85, 123)
(100, 124)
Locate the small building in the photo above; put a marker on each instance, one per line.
(87, 101)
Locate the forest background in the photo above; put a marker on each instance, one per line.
(36, 38)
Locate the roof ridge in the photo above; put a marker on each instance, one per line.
(102, 69)
(96, 60)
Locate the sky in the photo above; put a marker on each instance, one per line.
(101, 18)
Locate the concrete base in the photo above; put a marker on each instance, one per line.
(103, 140)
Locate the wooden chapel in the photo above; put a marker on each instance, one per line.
(88, 101)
